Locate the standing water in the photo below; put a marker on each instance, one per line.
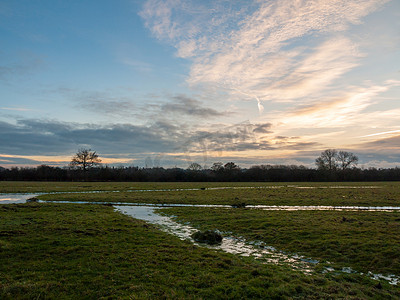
(232, 245)
(15, 198)
(258, 250)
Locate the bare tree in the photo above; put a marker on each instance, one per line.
(85, 159)
(327, 160)
(346, 159)
(195, 167)
(231, 166)
(217, 167)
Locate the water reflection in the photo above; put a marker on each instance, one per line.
(324, 207)
(229, 244)
(15, 198)
(240, 246)
(22, 197)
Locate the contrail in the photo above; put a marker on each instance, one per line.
(259, 104)
(381, 133)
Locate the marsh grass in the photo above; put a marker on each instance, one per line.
(67, 251)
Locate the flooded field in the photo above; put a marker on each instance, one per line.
(229, 244)
(22, 198)
(331, 224)
(239, 246)
(79, 251)
(268, 194)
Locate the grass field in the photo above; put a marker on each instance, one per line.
(365, 241)
(82, 251)
(357, 194)
(90, 251)
(37, 186)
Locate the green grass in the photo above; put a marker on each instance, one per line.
(90, 251)
(386, 194)
(66, 251)
(49, 186)
(365, 241)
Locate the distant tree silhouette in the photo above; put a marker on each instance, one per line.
(231, 166)
(272, 173)
(85, 159)
(195, 167)
(346, 160)
(327, 160)
(332, 160)
(217, 167)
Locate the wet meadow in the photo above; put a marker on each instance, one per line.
(73, 250)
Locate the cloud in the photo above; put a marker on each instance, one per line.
(241, 137)
(348, 109)
(172, 106)
(39, 140)
(253, 48)
(7, 161)
(45, 137)
(16, 108)
(182, 104)
(263, 128)
(101, 102)
(382, 133)
(296, 145)
(112, 107)
(385, 144)
(38, 137)
(24, 64)
(138, 65)
(383, 153)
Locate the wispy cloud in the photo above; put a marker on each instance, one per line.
(165, 106)
(138, 65)
(385, 144)
(340, 111)
(255, 50)
(381, 133)
(16, 108)
(24, 64)
(182, 104)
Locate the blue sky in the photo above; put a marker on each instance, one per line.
(170, 82)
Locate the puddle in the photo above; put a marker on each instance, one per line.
(392, 279)
(262, 207)
(336, 187)
(15, 198)
(137, 204)
(22, 197)
(324, 207)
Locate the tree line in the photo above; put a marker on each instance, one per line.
(331, 165)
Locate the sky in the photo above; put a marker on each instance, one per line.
(172, 82)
